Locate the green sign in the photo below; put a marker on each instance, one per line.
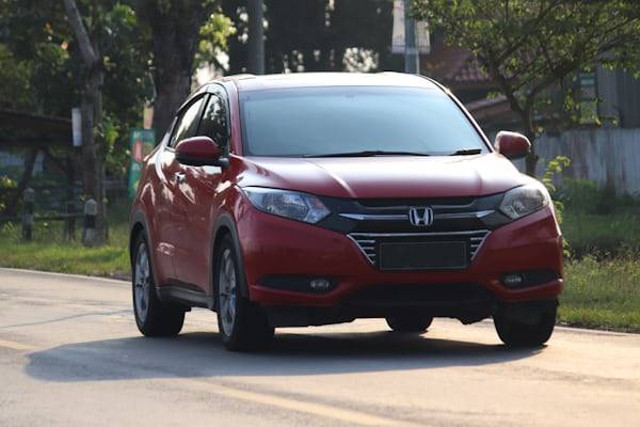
(142, 142)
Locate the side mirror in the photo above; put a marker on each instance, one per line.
(199, 151)
(512, 145)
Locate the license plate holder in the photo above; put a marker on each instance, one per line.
(446, 255)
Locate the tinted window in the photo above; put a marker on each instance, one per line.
(214, 123)
(316, 121)
(188, 123)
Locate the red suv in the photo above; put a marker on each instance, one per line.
(310, 199)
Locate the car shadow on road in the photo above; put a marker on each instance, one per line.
(199, 355)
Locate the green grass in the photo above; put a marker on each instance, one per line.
(49, 252)
(614, 234)
(600, 292)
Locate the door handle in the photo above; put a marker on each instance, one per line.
(180, 177)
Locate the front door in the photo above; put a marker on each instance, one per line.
(173, 224)
(199, 194)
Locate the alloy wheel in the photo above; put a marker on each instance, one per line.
(227, 282)
(142, 282)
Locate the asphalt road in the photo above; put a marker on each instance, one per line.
(70, 355)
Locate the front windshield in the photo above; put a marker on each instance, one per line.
(333, 120)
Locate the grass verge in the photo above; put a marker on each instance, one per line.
(602, 294)
(49, 252)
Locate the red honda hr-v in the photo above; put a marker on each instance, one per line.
(310, 199)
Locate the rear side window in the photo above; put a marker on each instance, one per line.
(214, 123)
(187, 125)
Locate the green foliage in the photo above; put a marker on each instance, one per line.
(115, 144)
(530, 46)
(6, 185)
(46, 71)
(41, 68)
(37, 35)
(15, 78)
(213, 39)
(553, 168)
(128, 84)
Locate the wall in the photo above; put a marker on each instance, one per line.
(611, 157)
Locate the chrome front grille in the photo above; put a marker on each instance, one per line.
(368, 243)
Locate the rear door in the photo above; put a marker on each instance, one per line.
(200, 192)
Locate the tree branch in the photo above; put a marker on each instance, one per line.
(75, 19)
(504, 84)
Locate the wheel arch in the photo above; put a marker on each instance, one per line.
(136, 229)
(225, 226)
(139, 226)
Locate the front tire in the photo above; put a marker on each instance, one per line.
(409, 324)
(243, 325)
(526, 324)
(153, 317)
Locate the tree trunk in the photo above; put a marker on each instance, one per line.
(256, 36)
(93, 170)
(175, 28)
(531, 161)
(172, 89)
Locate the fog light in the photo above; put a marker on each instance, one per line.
(513, 279)
(320, 285)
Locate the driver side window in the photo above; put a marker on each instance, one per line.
(187, 125)
(214, 123)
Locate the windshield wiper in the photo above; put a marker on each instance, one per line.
(466, 152)
(368, 153)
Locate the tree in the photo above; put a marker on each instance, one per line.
(317, 35)
(175, 33)
(530, 46)
(92, 154)
(15, 75)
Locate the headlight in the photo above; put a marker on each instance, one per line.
(522, 201)
(289, 204)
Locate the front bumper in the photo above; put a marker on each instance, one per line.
(274, 246)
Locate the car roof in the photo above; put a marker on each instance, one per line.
(249, 82)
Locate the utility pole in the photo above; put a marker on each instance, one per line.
(256, 36)
(411, 57)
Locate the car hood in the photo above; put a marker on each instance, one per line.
(384, 176)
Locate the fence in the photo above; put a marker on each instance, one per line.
(610, 157)
(29, 218)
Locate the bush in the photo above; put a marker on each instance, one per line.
(6, 185)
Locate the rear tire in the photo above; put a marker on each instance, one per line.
(409, 324)
(243, 325)
(153, 317)
(526, 324)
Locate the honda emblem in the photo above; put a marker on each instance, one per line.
(421, 216)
